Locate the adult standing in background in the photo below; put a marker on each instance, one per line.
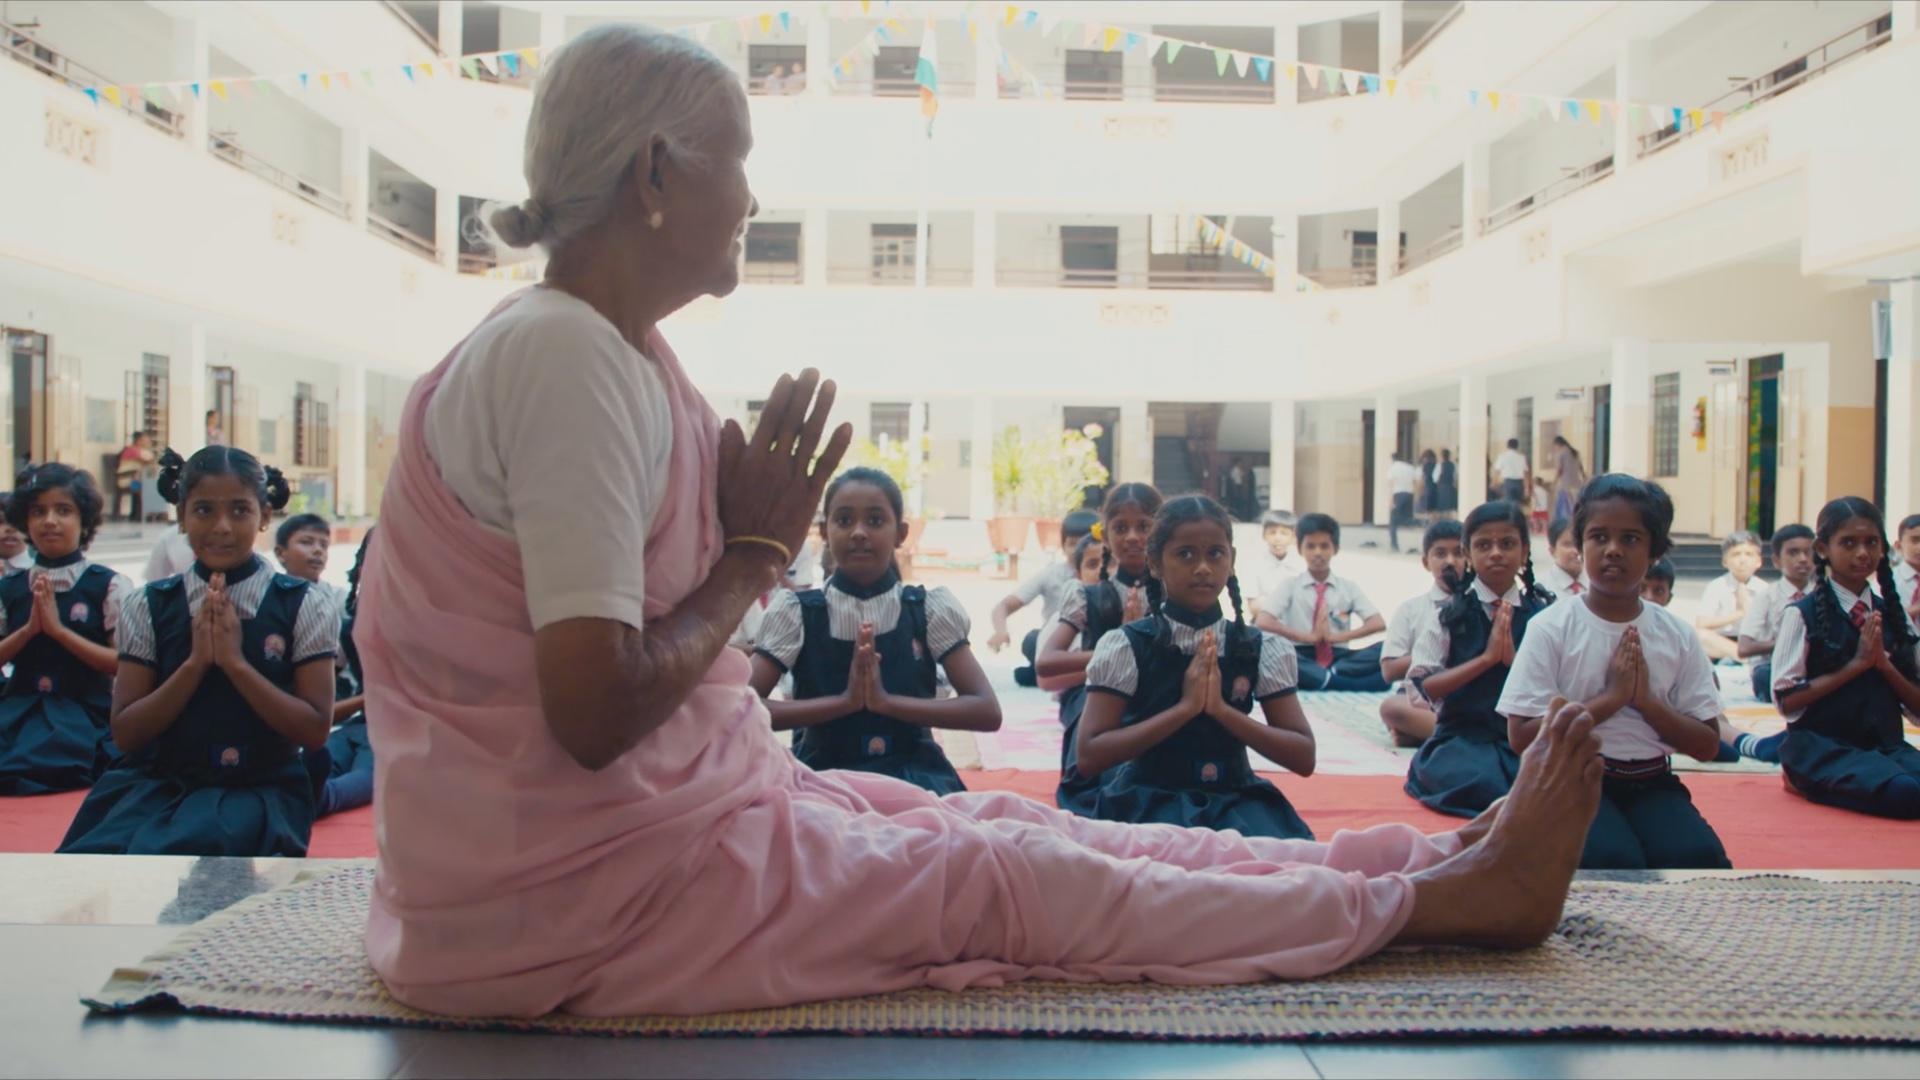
(216, 436)
(134, 460)
(1511, 477)
(1429, 498)
(1569, 477)
(1446, 480)
(1402, 478)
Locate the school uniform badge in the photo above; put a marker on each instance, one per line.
(1242, 686)
(275, 647)
(230, 757)
(876, 746)
(78, 612)
(46, 684)
(1209, 773)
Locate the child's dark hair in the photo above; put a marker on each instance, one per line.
(1315, 524)
(1185, 510)
(873, 478)
(1282, 518)
(178, 477)
(1498, 512)
(1652, 500)
(1826, 606)
(300, 523)
(1556, 529)
(54, 476)
(352, 606)
(1662, 570)
(1787, 534)
(1739, 538)
(1438, 532)
(1078, 524)
(1146, 498)
(1908, 524)
(1080, 548)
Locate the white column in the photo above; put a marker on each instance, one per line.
(1906, 18)
(351, 481)
(446, 226)
(819, 54)
(1286, 253)
(1387, 229)
(1133, 458)
(1393, 35)
(1286, 50)
(1284, 432)
(354, 172)
(453, 22)
(1471, 459)
(980, 473)
(1386, 427)
(1630, 442)
(1632, 80)
(190, 61)
(1903, 402)
(986, 247)
(986, 59)
(189, 419)
(1473, 191)
(813, 247)
(553, 29)
(916, 459)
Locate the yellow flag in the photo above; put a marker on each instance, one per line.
(1593, 111)
(1493, 100)
(530, 57)
(1293, 72)
(1012, 14)
(1107, 39)
(112, 93)
(326, 81)
(219, 88)
(766, 23)
(426, 69)
(1696, 117)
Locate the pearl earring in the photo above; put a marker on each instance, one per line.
(656, 219)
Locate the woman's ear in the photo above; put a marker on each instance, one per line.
(649, 175)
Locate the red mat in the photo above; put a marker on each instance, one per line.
(1763, 827)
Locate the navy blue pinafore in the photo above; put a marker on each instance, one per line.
(1199, 776)
(1848, 749)
(1104, 609)
(54, 715)
(219, 781)
(867, 741)
(1468, 763)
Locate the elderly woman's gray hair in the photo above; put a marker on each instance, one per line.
(601, 100)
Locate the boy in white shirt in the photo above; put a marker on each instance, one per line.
(1724, 604)
(1407, 715)
(1271, 564)
(1320, 612)
(1511, 466)
(1044, 586)
(1565, 574)
(1793, 557)
(1906, 565)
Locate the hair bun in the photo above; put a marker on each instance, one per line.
(279, 492)
(169, 482)
(519, 226)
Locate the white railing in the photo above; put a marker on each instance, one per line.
(221, 145)
(1446, 242)
(1407, 54)
(1061, 278)
(401, 236)
(1142, 86)
(1860, 40)
(895, 277)
(38, 55)
(1584, 176)
(756, 272)
(1343, 277)
(890, 87)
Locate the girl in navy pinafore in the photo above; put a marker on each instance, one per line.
(1461, 661)
(1169, 697)
(57, 624)
(866, 651)
(226, 674)
(1845, 666)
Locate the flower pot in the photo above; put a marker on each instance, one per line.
(1008, 534)
(1047, 531)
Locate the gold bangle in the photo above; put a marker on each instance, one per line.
(786, 553)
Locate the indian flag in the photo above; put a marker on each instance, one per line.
(927, 75)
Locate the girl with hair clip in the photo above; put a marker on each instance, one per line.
(57, 626)
(1461, 660)
(1127, 591)
(1845, 666)
(1641, 671)
(1167, 719)
(226, 675)
(865, 651)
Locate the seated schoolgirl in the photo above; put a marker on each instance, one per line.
(865, 651)
(57, 624)
(1845, 667)
(226, 674)
(1125, 592)
(1407, 714)
(1167, 722)
(1461, 663)
(1641, 671)
(15, 555)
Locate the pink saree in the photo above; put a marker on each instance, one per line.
(706, 870)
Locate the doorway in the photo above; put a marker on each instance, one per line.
(1763, 444)
(27, 356)
(1602, 429)
(1107, 421)
(1366, 466)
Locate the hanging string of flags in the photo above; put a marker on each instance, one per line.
(869, 45)
(1214, 236)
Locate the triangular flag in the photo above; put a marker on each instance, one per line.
(1719, 118)
(366, 76)
(243, 87)
(1593, 111)
(1293, 72)
(866, 6)
(1089, 34)
(1676, 117)
(113, 93)
(1473, 98)
(786, 21)
(219, 88)
(1173, 49)
(1351, 79)
(157, 94)
(1240, 63)
(1493, 100)
(488, 64)
(766, 22)
(405, 69)
(1012, 14)
(1371, 82)
(511, 63)
(1332, 78)
(91, 93)
(1391, 83)
(1573, 109)
(1263, 67)
(1108, 36)
(470, 66)
(530, 57)
(1696, 117)
(326, 82)
(1221, 58)
(1312, 72)
(1033, 19)
(425, 69)
(1133, 41)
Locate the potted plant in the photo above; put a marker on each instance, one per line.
(1062, 468)
(1012, 466)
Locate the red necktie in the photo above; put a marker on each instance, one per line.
(1859, 614)
(1574, 588)
(1322, 651)
(1916, 590)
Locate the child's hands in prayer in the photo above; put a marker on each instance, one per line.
(1871, 655)
(43, 618)
(1499, 648)
(874, 693)
(1199, 690)
(224, 626)
(1323, 628)
(1623, 671)
(1134, 606)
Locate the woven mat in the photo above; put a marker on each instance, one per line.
(1761, 958)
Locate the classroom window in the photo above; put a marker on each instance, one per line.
(322, 456)
(773, 251)
(889, 420)
(155, 384)
(894, 250)
(1090, 254)
(223, 398)
(893, 70)
(776, 69)
(1666, 425)
(1523, 428)
(1094, 75)
(302, 423)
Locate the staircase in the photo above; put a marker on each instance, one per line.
(1696, 557)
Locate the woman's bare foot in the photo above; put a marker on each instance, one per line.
(1476, 830)
(1507, 891)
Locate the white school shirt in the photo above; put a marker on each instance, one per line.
(172, 555)
(316, 629)
(1292, 602)
(1906, 581)
(1511, 465)
(1765, 611)
(1790, 648)
(22, 561)
(782, 631)
(552, 430)
(63, 577)
(1430, 649)
(1559, 582)
(1259, 572)
(1720, 599)
(1410, 619)
(1567, 651)
(1114, 670)
(1401, 478)
(1045, 586)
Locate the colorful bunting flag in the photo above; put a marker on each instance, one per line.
(1264, 67)
(1371, 82)
(219, 88)
(766, 23)
(786, 21)
(1351, 79)
(926, 73)
(1493, 100)
(470, 66)
(1107, 37)
(512, 63)
(113, 94)
(1173, 48)
(1220, 61)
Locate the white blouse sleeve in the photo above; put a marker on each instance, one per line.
(1112, 668)
(947, 622)
(134, 630)
(781, 631)
(316, 630)
(1401, 630)
(118, 590)
(1790, 659)
(1073, 605)
(1430, 651)
(1279, 668)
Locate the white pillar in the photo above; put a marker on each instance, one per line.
(446, 226)
(813, 247)
(453, 20)
(1133, 458)
(1286, 50)
(1903, 402)
(191, 61)
(916, 458)
(355, 179)
(1393, 35)
(1906, 18)
(1630, 442)
(986, 59)
(1386, 429)
(351, 482)
(1473, 190)
(1632, 80)
(1286, 253)
(1284, 432)
(986, 247)
(1471, 459)
(1387, 230)
(980, 472)
(819, 54)
(189, 419)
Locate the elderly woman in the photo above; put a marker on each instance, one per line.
(581, 804)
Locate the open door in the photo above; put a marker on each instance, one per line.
(1727, 444)
(1366, 458)
(1790, 462)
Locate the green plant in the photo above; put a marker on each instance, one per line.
(1061, 466)
(1011, 465)
(890, 458)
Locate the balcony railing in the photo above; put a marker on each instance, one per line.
(401, 236)
(895, 277)
(1059, 278)
(38, 55)
(1446, 242)
(222, 145)
(1142, 86)
(1413, 50)
(477, 262)
(1343, 277)
(779, 85)
(771, 273)
(887, 87)
(1860, 40)
(1584, 176)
